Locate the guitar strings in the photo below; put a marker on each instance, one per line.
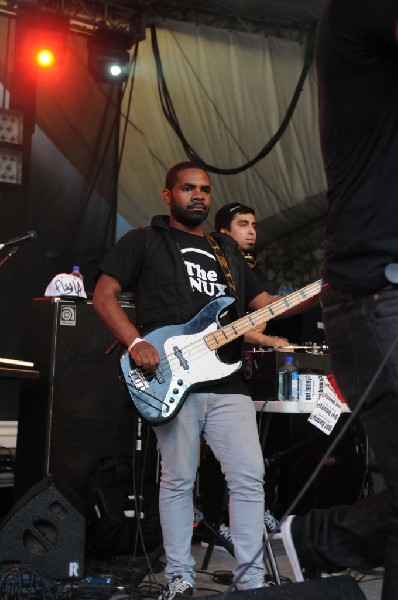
(238, 326)
(158, 400)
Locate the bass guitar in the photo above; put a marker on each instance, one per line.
(188, 354)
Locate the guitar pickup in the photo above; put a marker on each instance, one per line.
(159, 377)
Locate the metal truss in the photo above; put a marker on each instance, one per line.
(132, 16)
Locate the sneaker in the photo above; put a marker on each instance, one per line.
(225, 533)
(268, 582)
(271, 523)
(224, 536)
(177, 588)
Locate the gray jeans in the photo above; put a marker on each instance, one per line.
(228, 424)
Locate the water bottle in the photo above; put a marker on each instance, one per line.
(288, 381)
(76, 272)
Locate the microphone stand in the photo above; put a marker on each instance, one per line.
(10, 253)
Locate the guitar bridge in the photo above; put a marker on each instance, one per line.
(138, 380)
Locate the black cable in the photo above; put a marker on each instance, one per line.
(133, 572)
(133, 65)
(79, 594)
(107, 140)
(21, 582)
(224, 124)
(171, 116)
(223, 577)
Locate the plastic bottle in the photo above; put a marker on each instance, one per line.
(288, 381)
(76, 272)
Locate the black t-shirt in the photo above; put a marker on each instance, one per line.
(204, 271)
(207, 282)
(357, 67)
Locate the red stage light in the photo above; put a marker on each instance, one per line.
(42, 43)
(45, 49)
(45, 58)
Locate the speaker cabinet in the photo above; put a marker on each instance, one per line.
(45, 530)
(330, 588)
(78, 410)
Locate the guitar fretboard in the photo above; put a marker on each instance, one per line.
(232, 331)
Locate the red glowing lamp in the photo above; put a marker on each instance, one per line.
(45, 58)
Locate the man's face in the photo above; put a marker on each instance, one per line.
(243, 230)
(189, 200)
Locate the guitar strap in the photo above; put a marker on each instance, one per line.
(223, 264)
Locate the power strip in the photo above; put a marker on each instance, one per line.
(92, 585)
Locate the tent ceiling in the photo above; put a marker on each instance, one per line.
(249, 15)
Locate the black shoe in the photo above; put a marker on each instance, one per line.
(291, 536)
(177, 588)
(303, 569)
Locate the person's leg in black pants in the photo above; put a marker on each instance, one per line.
(360, 334)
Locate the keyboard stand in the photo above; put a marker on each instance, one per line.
(269, 557)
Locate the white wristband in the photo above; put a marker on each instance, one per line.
(134, 342)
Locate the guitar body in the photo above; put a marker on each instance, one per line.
(186, 363)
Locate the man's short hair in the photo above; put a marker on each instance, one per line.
(172, 174)
(226, 213)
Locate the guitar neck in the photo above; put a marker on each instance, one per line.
(232, 331)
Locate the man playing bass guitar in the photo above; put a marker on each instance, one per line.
(177, 272)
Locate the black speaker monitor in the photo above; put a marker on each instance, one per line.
(330, 588)
(45, 530)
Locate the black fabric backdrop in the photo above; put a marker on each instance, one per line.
(67, 197)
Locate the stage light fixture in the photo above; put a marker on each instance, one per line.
(43, 40)
(108, 57)
(11, 155)
(45, 58)
(46, 49)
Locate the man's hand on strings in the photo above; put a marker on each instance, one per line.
(145, 356)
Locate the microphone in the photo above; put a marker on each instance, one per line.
(31, 235)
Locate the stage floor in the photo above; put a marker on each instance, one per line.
(222, 561)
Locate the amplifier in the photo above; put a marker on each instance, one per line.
(78, 410)
(261, 370)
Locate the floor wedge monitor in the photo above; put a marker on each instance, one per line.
(45, 529)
